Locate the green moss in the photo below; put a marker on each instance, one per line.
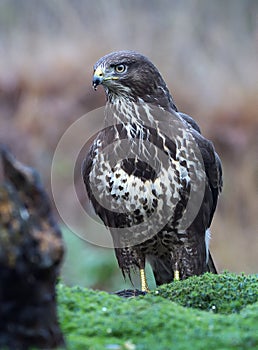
(97, 320)
(225, 293)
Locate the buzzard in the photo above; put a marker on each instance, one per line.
(151, 176)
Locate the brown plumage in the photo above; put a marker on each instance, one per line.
(151, 176)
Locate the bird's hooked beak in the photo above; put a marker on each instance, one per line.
(103, 76)
(98, 77)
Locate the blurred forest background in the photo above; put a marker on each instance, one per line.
(207, 54)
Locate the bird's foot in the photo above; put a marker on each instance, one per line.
(129, 293)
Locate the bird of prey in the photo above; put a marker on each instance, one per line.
(151, 176)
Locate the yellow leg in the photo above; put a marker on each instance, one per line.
(144, 284)
(176, 273)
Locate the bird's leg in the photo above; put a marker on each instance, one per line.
(144, 284)
(176, 273)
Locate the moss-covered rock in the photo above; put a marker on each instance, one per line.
(97, 320)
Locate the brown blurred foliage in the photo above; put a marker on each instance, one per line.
(206, 52)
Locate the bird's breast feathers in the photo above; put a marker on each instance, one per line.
(136, 177)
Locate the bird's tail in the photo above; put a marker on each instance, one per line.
(211, 265)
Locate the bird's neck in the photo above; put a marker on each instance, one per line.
(122, 110)
(159, 97)
(139, 117)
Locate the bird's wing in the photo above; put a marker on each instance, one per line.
(213, 170)
(211, 159)
(212, 166)
(190, 121)
(212, 162)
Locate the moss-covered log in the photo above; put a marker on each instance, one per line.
(31, 250)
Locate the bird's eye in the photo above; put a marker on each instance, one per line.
(120, 68)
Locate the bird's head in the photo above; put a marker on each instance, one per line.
(131, 75)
